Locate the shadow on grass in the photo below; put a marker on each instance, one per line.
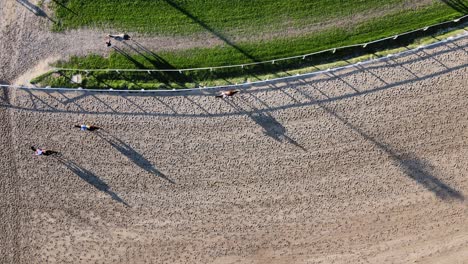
(158, 62)
(122, 52)
(458, 5)
(133, 155)
(62, 5)
(4, 101)
(90, 178)
(211, 30)
(192, 79)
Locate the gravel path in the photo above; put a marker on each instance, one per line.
(364, 165)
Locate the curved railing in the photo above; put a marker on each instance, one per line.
(250, 83)
(273, 61)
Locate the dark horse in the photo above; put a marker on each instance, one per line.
(87, 127)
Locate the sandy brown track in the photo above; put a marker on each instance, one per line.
(365, 165)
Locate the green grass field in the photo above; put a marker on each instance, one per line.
(232, 18)
(182, 17)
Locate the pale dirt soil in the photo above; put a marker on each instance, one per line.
(365, 165)
(27, 45)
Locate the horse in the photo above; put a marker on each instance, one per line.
(228, 93)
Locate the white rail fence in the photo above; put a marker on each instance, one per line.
(273, 61)
(246, 84)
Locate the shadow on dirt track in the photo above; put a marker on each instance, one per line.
(36, 10)
(133, 155)
(412, 166)
(48, 102)
(90, 178)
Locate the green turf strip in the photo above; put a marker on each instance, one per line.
(244, 52)
(239, 53)
(176, 17)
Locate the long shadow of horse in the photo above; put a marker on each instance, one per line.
(420, 171)
(129, 57)
(411, 166)
(90, 178)
(170, 75)
(132, 154)
(271, 127)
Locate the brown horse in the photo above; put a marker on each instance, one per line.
(228, 93)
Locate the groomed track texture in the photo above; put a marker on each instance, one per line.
(362, 165)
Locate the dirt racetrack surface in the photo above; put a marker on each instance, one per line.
(363, 165)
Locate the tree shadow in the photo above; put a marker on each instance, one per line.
(447, 44)
(210, 29)
(133, 155)
(90, 178)
(413, 167)
(35, 9)
(101, 80)
(391, 62)
(65, 7)
(458, 5)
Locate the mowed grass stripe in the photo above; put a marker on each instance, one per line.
(184, 17)
(278, 48)
(371, 28)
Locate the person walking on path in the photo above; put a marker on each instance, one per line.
(228, 93)
(42, 152)
(108, 42)
(85, 127)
